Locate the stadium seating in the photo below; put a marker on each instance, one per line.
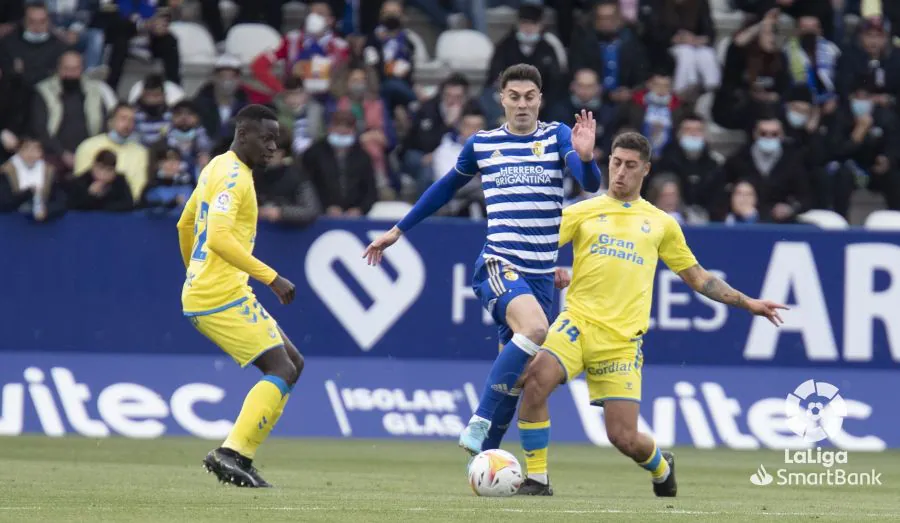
(823, 219)
(464, 49)
(195, 45)
(883, 220)
(247, 41)
(174, 93)
(389, 210)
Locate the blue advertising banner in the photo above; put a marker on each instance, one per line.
(106, 284)
(149, 396)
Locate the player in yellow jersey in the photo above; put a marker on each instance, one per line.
(617, 240)
(216, 234)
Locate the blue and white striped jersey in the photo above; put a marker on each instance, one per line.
(522, 178)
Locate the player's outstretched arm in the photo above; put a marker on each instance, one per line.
(429, 203)
(583, 137)
(186, 229)
(716, 289)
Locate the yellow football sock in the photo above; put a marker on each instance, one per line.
(658, 467)
(535, 438)
(261, 409)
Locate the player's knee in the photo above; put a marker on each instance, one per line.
(622, 437)
(537, 332)
(288, 372)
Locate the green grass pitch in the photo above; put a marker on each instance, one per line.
(76, 479)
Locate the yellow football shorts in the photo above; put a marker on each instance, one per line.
(244, 330)
(612, 368)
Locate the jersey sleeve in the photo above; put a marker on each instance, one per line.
(564, 139)
(467, 164)
(571, 219)
(674, 250)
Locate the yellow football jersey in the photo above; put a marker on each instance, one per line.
(616, 246)
(222, 205)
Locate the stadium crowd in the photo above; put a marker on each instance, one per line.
(816, 104)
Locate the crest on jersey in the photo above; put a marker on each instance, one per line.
(223, 202)
(511, 275)
(646, 226)
(537, 148)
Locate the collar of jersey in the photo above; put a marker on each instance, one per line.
(537, 128)
(632, 203)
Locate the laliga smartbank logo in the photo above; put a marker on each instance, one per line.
(815, 411)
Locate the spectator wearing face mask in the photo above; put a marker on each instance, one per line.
(445, 157)
(619, 58)
(812, 61)
(742, 210)
(32, 49)
(585, 93)
(434, 119)
(655, 111)
(776, 171)
(806, 130)
(301, 114)
(153, 115)
(67, 110)
(754, 78)
(132, 157)
(871, 55)
(218, 100)
(171, 184)
(391, 52)
(525, 44)
(284, 193)
(664, 192)
(375, 127)
(692, 162)
(313, 54)
(100, 187)
(684, 29)
(188, 137)
(865, 142)
(29, 185)
(341, 170)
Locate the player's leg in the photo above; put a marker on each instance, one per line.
(526, 319)
(543, 375)
(249, 335)
(297, 359)
(614, 382)
(560, 359)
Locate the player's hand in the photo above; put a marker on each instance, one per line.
(768, 309)
(375, 250)
(284, 289)
(584, 135)
(561, 279)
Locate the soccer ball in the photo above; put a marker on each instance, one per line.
(495, 473)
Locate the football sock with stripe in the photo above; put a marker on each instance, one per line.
(535, 438)
(502, 379)
(262, 408)
(658, 467)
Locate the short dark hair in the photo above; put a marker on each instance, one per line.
(521, 73)
(36, 4)
(293, 82)
(531, 13)
(472, 109)
(154, 81)
(254, 113)
(455, 79)
(344, 118)
(691, 117)
(106, 158)
(184, 105)
(633, 142)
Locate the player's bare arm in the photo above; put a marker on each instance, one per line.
(284, 289)
(375, 250)
(715, 288)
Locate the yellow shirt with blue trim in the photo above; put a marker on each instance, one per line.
(616, 247)
(223, 213)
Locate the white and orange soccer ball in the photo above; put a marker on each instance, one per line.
(495, 473)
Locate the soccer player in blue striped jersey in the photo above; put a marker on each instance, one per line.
(522, 165)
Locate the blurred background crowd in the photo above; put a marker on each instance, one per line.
(759, 111)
